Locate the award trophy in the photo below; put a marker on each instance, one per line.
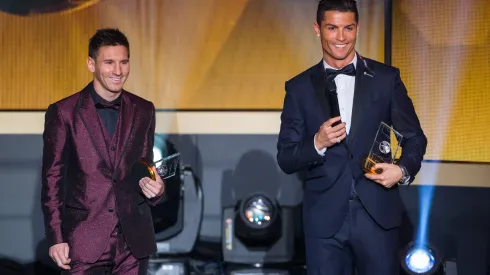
(166, 168)
(384, 149)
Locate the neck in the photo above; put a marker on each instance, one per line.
(336, 63)
(104, 93)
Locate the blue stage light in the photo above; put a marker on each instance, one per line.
(421, 259)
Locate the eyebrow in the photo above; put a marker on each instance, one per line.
(332, 25)
(109, 59)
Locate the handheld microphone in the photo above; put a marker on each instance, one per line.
(331, 93)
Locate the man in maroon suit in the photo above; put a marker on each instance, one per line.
(97, 221)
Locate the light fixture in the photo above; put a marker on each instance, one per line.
(258, 221)
(177, 218)
(258, 236)
(259, 214)
(260, 271)
(164, 267)
(421, 259)
(258, 211)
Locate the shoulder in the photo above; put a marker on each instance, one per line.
(69, 102)
(65, 104)
(380, 68)
(141, 103)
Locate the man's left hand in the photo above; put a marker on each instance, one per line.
(391, 174)
(152, 188)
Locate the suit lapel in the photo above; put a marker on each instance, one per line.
(88, 114)
(361, 97)
(126, 123)
(318, 79)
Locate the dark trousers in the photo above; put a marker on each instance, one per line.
(116, 259)
(360, 243)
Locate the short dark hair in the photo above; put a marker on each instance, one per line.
(106, 37)
(336, 5)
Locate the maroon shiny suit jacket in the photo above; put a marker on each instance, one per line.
(85, 191)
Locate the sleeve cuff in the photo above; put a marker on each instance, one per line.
(320, 152)
(54, 238)
(156, 200)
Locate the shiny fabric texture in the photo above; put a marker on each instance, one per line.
(84, 191)
(116, 259)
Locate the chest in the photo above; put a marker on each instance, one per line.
(345, 97)
(360, 102)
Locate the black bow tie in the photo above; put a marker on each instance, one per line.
(348, 70)
(108, 105)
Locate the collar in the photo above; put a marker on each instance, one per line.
(354, 61)
(97, 98)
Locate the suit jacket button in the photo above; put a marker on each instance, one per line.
(114, 181)
(113, 148)
(111, 210)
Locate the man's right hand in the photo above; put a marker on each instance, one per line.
(59, 253)
(328, 135)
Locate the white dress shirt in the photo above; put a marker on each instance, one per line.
(345, 94)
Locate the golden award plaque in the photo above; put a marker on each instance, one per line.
(385, 148)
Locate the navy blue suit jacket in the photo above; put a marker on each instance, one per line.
(379, 95)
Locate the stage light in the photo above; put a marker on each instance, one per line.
(168, 215)
(258, 211)
(421, 259)
(259, 271)
(177, 218)
(258, 220)
(258, 231)
(164, 267)
(157, 153)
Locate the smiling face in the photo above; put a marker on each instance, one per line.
(338, 34)
(110, 69)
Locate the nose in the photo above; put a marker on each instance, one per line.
(340, 35)
(117, 69)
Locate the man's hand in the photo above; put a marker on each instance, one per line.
(152, 188)
(328, 135)
(59, 253)
(391, 174)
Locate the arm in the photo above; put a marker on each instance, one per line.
(54, 153)
(296, 151)
(148, 150)
(149, 138)
(406, 122)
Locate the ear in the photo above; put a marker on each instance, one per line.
(316, 28)
(91, 64)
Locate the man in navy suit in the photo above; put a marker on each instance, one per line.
(351, 218)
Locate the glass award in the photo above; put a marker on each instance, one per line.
(166, 168)
(385, 148)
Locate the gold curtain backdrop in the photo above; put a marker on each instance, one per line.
(185, 54)
(221, 54)
(441, 48)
